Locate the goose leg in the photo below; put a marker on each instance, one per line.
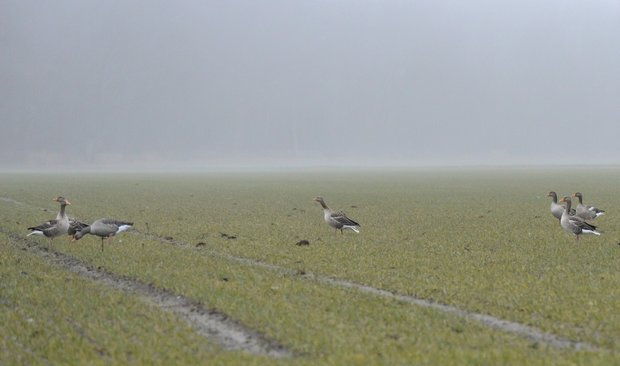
(102, 244)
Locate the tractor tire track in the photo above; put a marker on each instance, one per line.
(211, 324)
(525, 331)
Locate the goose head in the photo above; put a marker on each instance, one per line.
(319, 199)
(567, 200)
(78, 235)
(61, 200)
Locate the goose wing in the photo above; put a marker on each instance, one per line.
(342, 218)
(581, 223)
(117, 223)
(44, 226)
(116, 226)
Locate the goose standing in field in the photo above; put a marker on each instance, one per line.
(337, 220)
(104, 228)
(584, 211)
(556, 209)
(74, 225)
(575, 224)
(54, 228)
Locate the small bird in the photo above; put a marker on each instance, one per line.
(103, 228)
(53, 228)
(575, 224)
(337, 220)
(584, 211)
(557, 209)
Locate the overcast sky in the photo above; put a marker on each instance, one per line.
(183, 84)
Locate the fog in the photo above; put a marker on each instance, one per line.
(160, 85)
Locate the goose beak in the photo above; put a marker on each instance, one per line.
(67, 202)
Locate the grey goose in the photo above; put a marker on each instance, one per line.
(584, 211)
(54, 228)
(575, 224)
(75, 225)
(556, 209)
(103, 228)
(337, 220)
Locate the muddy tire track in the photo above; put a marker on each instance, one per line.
(211, 324)
(525, 331)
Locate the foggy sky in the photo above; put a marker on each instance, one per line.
(183, 84)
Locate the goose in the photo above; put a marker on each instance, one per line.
(53, 228)
(337, 220)
(575, 224)
(103, 228)
(584, 211)
(556, 209)
(74, 225)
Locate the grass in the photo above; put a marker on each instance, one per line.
(50, 315)
(481, 240)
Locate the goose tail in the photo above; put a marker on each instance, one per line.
(586, 231)
(354, 228)
(124, 227)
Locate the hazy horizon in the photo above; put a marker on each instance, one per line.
(208, 85)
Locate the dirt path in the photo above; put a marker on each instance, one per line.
(213, 325)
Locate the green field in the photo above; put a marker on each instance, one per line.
(480, 240)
